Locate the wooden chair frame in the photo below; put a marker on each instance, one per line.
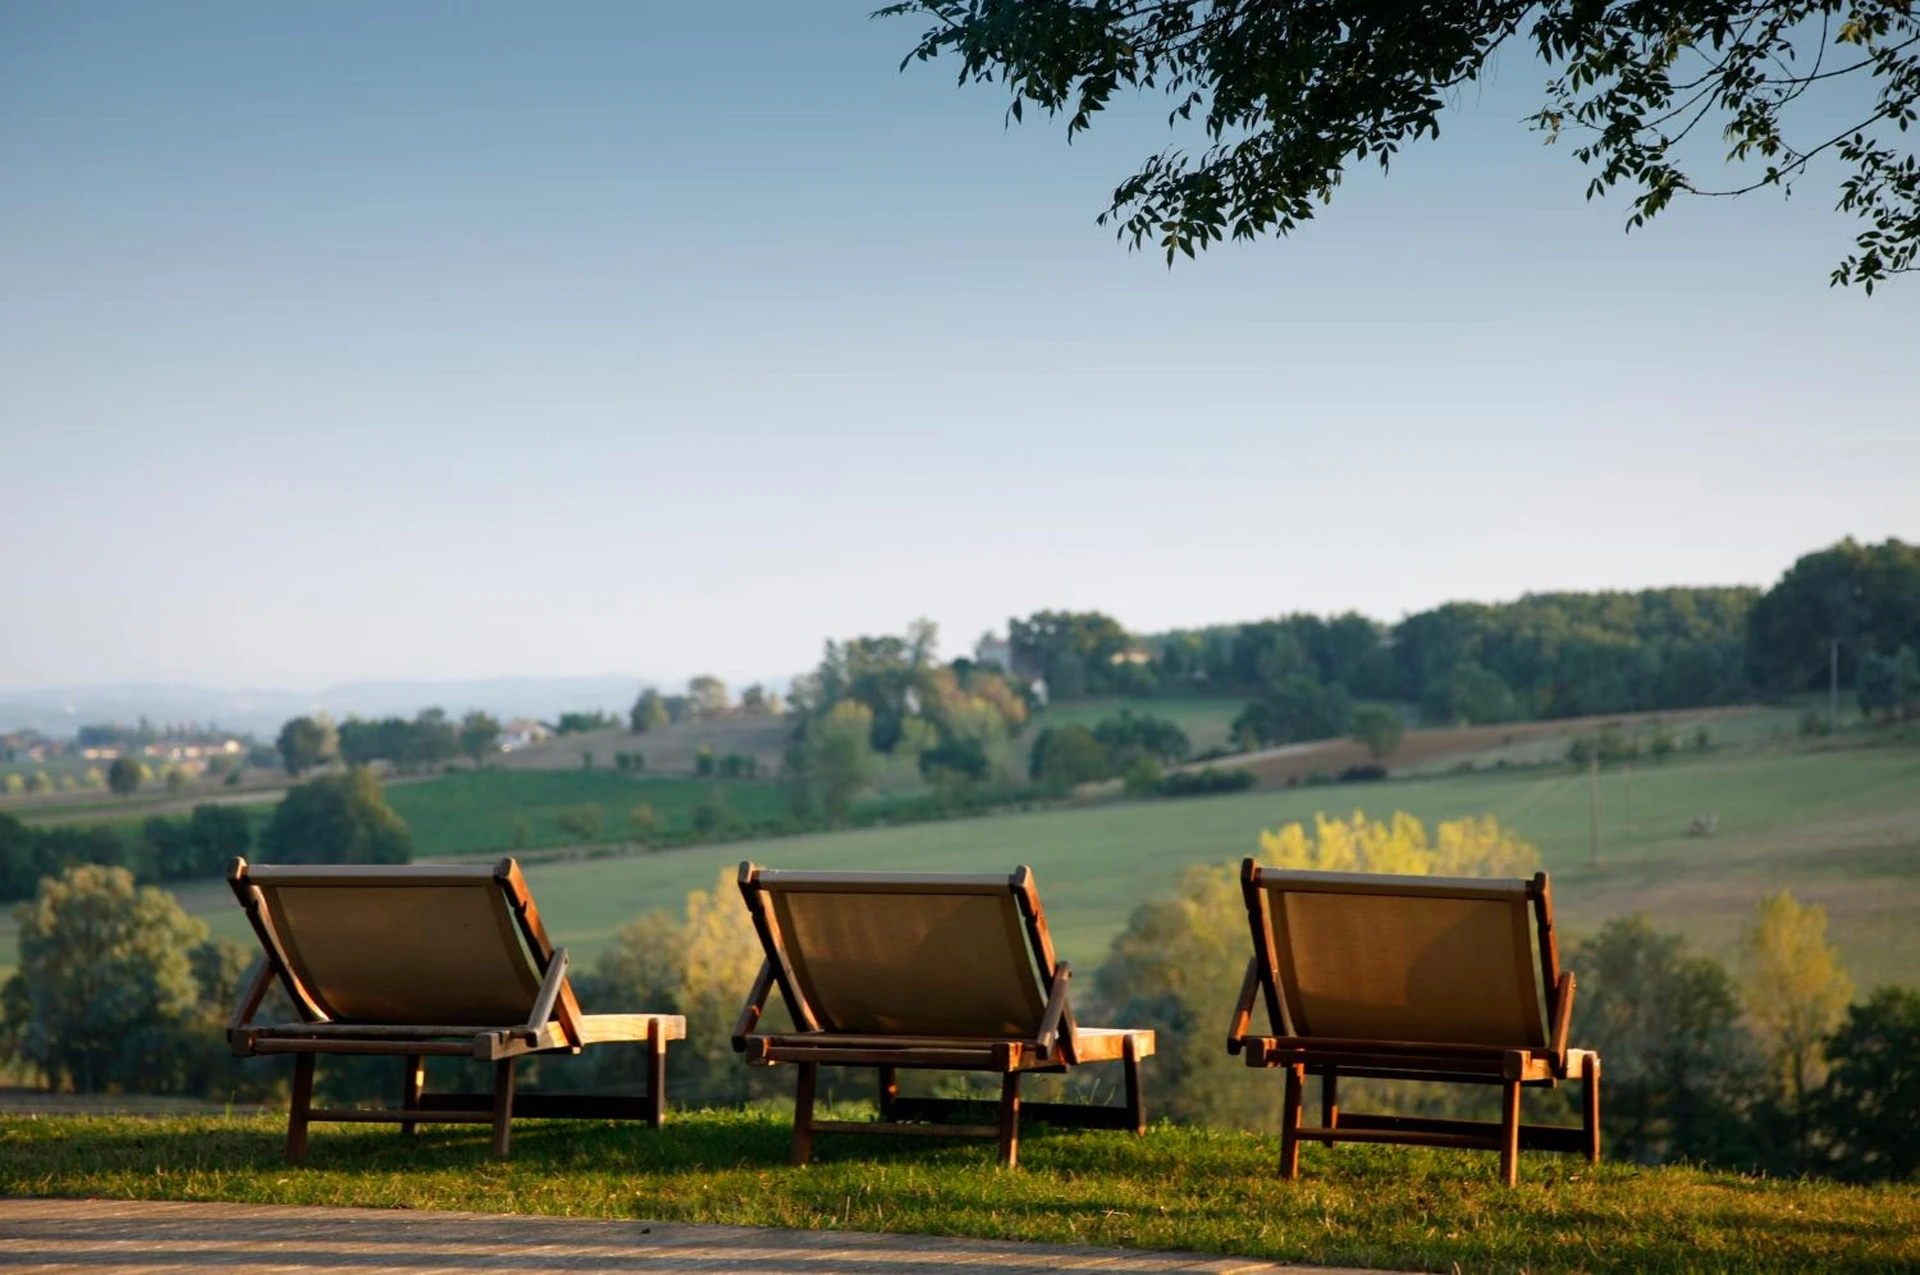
(1057, 1047)
(554, 1025)
(1513, 1070)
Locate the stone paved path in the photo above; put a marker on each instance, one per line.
(123, 1235)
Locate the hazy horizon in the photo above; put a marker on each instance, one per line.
(456, 342)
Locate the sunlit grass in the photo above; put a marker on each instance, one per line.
(1174, 1189)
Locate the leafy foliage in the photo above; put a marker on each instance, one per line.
(1471, 847)
(429, 739)
(699, 964)
(1870, 1107)
(1378, 730)
(337, 819)
(1681, 1071)
(1796, 993)
(1866, 597)
(1287, 95)
(123, 777)
(1205, 782)
(305, 742)
(117, 987)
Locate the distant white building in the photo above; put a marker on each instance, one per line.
(522, 732)
(994, 650)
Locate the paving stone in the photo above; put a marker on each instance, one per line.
(145, 1235)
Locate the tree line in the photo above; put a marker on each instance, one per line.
(430, 738)
(340, 818)
(1545, 655)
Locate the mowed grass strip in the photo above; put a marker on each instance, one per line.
(1393, 1208)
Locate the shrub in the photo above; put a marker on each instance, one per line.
(712, 816)
(1205, 782)
(1065, 756)
(583, 822)
(1142, 777)
(1365, 772)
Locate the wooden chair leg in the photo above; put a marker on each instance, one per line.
(300, 1105)
(656, 1074)
(1330, 1100)
(1290, 1123)
(1590, 1107)
(502, 1107)
(412, 1084)
(1136, 1105)
(1510, 1132)
(803, 1113)
(1010, 1119)
(888, 1090)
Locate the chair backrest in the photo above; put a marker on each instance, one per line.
(905, 954)
(1373, 957)
(439, 944)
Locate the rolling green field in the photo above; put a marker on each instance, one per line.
(474, 812)
(1175, 1188)
(1207, 720)
(1840, 827)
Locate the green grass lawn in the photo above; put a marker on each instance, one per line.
(471, 812)
(1176, 1188)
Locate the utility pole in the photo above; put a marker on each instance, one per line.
(1833, 685)
(1593, 822)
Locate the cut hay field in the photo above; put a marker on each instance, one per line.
(1441, 749)
(1839, 827)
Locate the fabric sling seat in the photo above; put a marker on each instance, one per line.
(425, 960)
(1412, 978)
(923, 971)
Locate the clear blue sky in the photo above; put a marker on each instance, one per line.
(460, 339)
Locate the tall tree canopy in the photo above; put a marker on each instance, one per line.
(1289, 92)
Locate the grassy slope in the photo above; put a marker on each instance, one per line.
(469, 813)
(1174, 1189)
(1207, 720)
(1840, 828)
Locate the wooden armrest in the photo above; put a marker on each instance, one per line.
(1243, 1008)
(1056, 1009)
(256, 991)
(756, 1004)
(1562, 1021)
(549, 996)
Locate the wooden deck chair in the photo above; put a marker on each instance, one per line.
(427, 959)
(927, 971)
(1412, 978)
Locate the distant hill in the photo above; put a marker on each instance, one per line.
(62, 710)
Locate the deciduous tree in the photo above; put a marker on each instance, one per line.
(1286, 96)
(105, 978)
(1378, 730)
(123, 776)
(305, 742)
(479, 735)
(337, 819)
(1795, 992)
